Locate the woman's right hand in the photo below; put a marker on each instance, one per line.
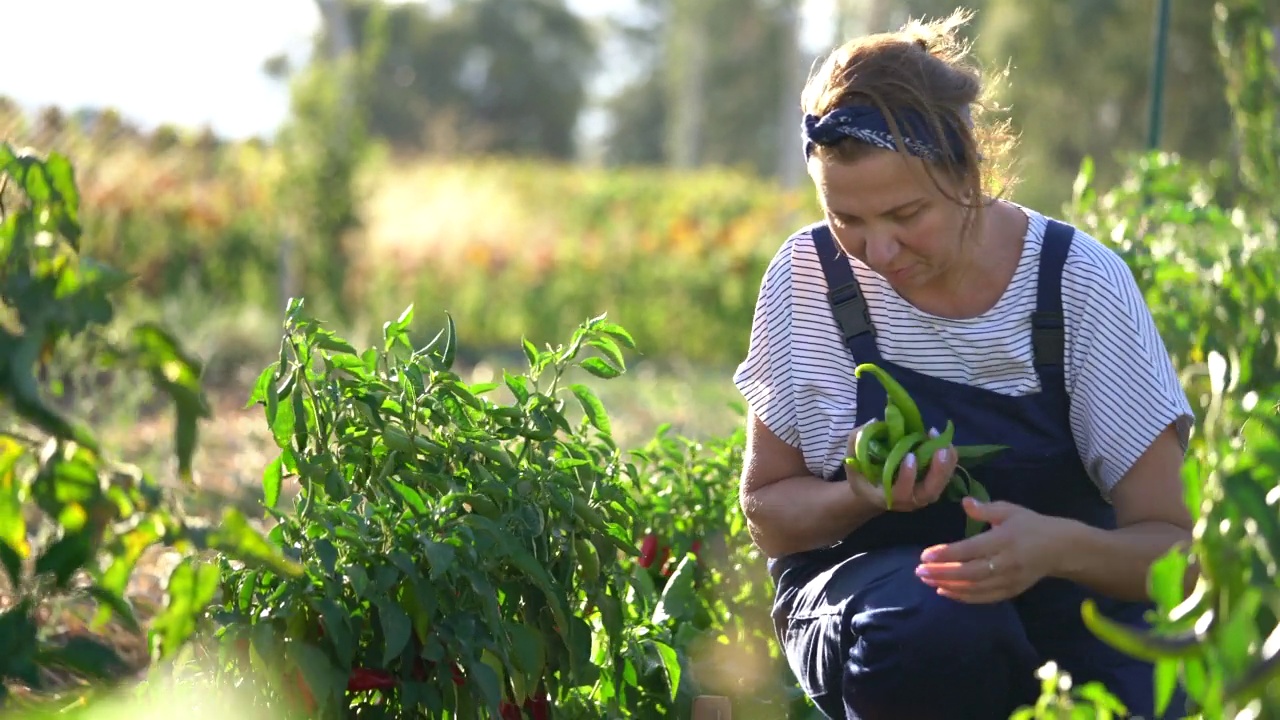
(908, 494)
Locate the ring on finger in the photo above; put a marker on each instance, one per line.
(991, 565)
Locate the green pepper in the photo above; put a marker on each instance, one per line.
(866, 464)
(891, 463)
(896, 421)
(1260, 675)
(928, 448)
(1146, 646)
(897, 396)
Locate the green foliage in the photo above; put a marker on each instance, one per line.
(1204, 268)
(72, 521)
(460, 553)
(708, 593)
(1091, 61)
(1250, 63)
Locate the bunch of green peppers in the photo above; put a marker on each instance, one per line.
(877, 449)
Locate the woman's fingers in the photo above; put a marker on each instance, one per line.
(941, 468)
(904, 485)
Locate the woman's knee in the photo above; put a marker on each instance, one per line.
(920, 626)
(975, 660)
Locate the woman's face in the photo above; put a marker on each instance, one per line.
(886, 212)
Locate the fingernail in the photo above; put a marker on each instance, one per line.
(910, 461)
(942, 455)
(933, 432)
(922, 572)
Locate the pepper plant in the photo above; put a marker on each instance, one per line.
(464, 556)
(74, 521)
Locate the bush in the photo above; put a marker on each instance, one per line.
(73, 521)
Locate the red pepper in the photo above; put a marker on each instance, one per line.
(363, 679)
(301, 693)
(648, 550)
(538, 706)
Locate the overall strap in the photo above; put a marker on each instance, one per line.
(1048, 328)
(848, 304)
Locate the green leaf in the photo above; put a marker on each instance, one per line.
(439, 557)
(262, 385)
(192, 586)
(12, 561)
(528, 649)
(351, 364)
(337, 627)
(86, 655)
(679, 598)
(178, 374)
(326, 340)
(592, 407)
(600, 368)
(409, 495)
(13, 526)
(1166, 579)
(450, 350)
(111, 603)
(24, 391)
(282, 425)
(519, 386)
(18, 644)
(272, 480)
(670, 664)
(396, 627)
(530, 353)
(67, 555)
(616, 332)
(235, 537)
(610, 350)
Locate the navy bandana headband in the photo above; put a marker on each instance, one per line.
(867, 124)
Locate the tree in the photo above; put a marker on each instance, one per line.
(1080, 80)
(485, 76)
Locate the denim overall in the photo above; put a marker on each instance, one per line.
(866, 638)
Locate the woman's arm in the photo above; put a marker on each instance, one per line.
(1151, 518)
(789, 510)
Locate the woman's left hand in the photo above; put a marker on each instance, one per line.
(1015, 553)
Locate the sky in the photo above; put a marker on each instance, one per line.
(159, 61)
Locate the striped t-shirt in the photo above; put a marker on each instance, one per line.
(798, 376)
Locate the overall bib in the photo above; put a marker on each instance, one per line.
(866, 638)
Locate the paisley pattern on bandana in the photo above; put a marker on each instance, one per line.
(867, 124)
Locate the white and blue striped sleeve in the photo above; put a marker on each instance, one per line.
(1123, 385)
(764, 376)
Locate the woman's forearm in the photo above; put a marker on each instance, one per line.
(1117, 562)
(803, 513)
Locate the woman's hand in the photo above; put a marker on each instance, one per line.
(1001, 563)
(908, 495)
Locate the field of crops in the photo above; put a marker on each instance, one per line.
(525, 508)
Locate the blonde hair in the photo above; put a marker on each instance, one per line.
(927, 68)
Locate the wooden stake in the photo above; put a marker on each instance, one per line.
(712, 707)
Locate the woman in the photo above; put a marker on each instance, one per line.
(1019, 329)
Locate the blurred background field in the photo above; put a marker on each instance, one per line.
(525, 165)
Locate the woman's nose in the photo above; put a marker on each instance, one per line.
(881, 248)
